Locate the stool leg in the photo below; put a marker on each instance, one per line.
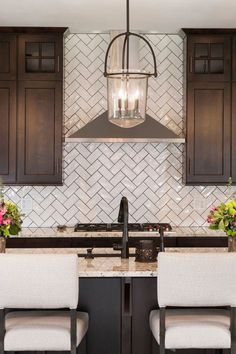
(162, 330)
(73, 320)
(84, 345)
(82, 349)
(2, 330)
(162, 349)
(233, 330)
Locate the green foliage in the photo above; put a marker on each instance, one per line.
(223, 218)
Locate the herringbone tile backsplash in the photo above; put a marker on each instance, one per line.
(97, 175)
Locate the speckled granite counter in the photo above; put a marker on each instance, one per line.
(113, 266)
(69, 232)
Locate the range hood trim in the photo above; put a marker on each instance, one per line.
(125, 140)
(102, 131)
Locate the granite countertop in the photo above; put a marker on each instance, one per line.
(69, 232)
(113, 266)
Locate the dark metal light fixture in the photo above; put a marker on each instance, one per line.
(127, 88)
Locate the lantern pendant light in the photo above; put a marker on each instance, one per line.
(127, 87)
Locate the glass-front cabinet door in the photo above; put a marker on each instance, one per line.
(209, 58)
(40, 57)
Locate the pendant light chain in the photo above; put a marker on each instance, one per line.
(128, 34)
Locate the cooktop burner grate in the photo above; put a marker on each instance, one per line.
(118, 227)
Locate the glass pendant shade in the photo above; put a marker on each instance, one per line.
(127, 97)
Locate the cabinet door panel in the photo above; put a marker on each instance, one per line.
(208, 133)
(7, 131)
(7, 57)
(209, 58)
(40, 57)
(101, 298)
(143, 301)
(234, 59)
(40, 133)
(234, 132)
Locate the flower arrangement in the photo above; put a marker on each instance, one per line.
(223, 218)
(10, 217)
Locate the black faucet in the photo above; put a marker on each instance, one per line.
(162, 246)
(123, 217)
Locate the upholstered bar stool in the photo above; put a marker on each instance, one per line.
(30, 283)
(193, 281)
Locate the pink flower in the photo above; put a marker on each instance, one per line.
(1, 219)
(234, 223)
(213, 209)
(3, 211)
(7, 221)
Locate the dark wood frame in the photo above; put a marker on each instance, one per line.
(73, 334)
(31, 30)
(234, 58)
(217, 31)
(232, 330)
(191, 177)
(11, 38)
(10, 149)
(233, 129)
(37, 179)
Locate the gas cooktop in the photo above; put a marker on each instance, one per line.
(119, 227)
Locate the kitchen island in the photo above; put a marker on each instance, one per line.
(118, 294)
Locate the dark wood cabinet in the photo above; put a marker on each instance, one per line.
(234, 58)
(8, 57)
(211, 111)
(8, 131)
(209, 58)
(101, 298)
(31, 74)
(144, 300)
(208, 132)
(40, 57)
(233, 132)
(39, 132)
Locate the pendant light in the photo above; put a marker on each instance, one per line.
(127, 87)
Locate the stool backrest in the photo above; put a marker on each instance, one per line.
(196, 279)
(38, 281)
